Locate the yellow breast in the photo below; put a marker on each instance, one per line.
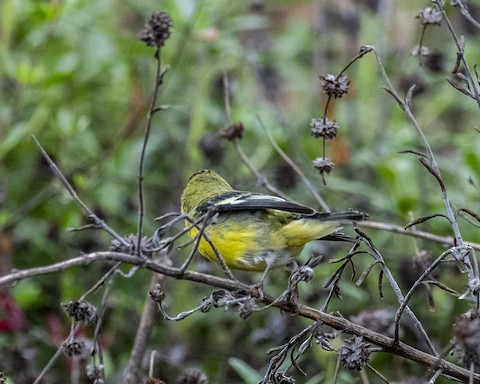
(246, 244)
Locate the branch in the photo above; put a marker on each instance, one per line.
(432, 166)
(386, 343)
(472, 82)
(144, 331)
(151, 112)
(446, 240)
(72, 192)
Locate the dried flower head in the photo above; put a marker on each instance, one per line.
(232, 132)
(304, 273)
(246, 308)
(94, 373)
(334, 86)
(220, 298)
(130, 245)
(157, 294)
(323, 165)
(430, 16)
(75, 347)
(355, 353)
(157, 29)
(324, 127)
(467, 339)
(81, 311)
(119, 246)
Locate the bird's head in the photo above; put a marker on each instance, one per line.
(201, 187)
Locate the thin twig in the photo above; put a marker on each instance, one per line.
(201, 234)
(409, 294)
(97, 344)
(383, 378)
(433, 167)
(396, 289)
(472, 83)
(445, 240)
(466, 13)
(151, 112)
(144, 331)
(226, 95)
(71, 190)
(152, 363)
(101, 282)
(296, 169)
(57, 354)
(15, 217)
(262, 179)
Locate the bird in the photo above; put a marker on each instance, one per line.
(252, 231)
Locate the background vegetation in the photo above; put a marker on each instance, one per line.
(75, 75)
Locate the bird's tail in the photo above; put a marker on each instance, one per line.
(340, 216)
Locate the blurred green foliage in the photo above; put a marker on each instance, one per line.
(74, 74)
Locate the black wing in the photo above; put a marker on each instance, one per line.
(244, 201)
(247, 201)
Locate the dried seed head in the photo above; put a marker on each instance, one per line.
(467, 339)
(118, 246)
(232, 132)
(157, 29)
(323, 165)
(219, 298)
(75, 347)
(130, 245)
(246, 308)
(430, 16)
(94, 373)
(323, 127)
(157, 294)
(81, 311)
(355, 354)
(304, 273)
(334, 86)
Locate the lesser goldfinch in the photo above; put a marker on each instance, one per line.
(253, 231)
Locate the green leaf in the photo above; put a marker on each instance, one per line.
(245, 371)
